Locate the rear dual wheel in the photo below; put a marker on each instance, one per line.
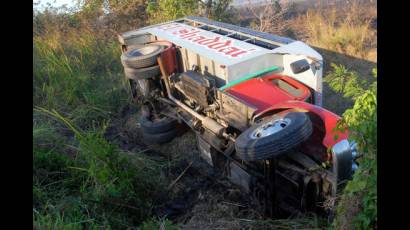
(159, 138)
(141, 56)
(140, 67)
(158, 129)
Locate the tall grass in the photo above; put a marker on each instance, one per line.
(80, 179)
(97, 185)
(78, 74)
(345, 29)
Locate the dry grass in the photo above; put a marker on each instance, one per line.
(343, 29)
(345, 35)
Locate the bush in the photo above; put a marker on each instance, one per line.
(358, 204)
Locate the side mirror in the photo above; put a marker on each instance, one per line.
(299, 66)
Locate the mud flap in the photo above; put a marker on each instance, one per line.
(204, 150)
(239, 177)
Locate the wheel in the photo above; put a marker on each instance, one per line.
(159, 138)
(155, 126)
(141, 56)
(274, 136)
(142, 73)
(134, 40)
(168, 56)
(164, 43)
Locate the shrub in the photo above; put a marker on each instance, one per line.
(358, 203)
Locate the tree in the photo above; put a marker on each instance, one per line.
(270, 16)
(164, 10)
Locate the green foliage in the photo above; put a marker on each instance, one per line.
(83, 76)
(163, 10)
(221, 11)
(154, 223)
(341, 80)
(98, 182)
(112, 16)
(359, 199)
(80, 180)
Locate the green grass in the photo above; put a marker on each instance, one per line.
(97, 185)
(108, 185)
(82, 78)
(80, 179)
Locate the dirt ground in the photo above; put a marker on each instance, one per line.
(201, 198)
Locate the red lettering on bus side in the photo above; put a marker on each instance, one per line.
(170, 27)
(188, 35)
(182, 31)
(229, 50)
(212, 43)
(209, 41)
(220, 44)
(238, 53)
(198, 39)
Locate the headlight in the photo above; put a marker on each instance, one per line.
(343, 154)
(353, 148)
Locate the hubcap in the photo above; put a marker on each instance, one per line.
(270, 128)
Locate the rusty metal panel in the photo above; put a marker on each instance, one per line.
(196, 86)
(235, 111)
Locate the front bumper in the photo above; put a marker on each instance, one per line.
(344, 165)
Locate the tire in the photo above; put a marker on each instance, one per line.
(159, 138)
(161, 125)
(142, 73)
(291, 129)
(141, 56)
(135, 39)
(164, 43)
(133, 46)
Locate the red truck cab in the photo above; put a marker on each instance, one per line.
(270, 90)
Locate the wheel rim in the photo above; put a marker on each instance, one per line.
(270, 128)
